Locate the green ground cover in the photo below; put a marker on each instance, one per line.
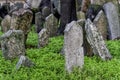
(49, 64)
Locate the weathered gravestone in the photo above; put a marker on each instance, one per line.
(39, 21)
(25, 61)
(19, 5)
(12, 44)
(43, 38)
(46, 11)
(51, 24)
(98, 2)
(73, 49)
(80, 15)
(5, 24)
(35, 3)
(87, 48)
(100, 22)
(96, 41)
(113, 20)
(21, 20)
(56, 5)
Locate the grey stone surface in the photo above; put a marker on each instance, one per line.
(5, 24)
(73, 49)
(21, 20)
(43, 38)
(51, 24)
(80, 15)
(39, 21)
(100, 22)
(25, 61)
(35, 3)
(46, 11)
(113, 20)
(96, 41)
(56, 4)
(12, 44)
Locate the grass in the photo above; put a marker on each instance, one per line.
(49, 64)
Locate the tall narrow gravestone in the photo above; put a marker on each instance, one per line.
(73, 49)
(113, 20)
(100, 22)
(12, 44)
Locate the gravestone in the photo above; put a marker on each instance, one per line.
(73, 49)
(12, 44)
(19, 5)
(51, 24)
(25, 61)
(113, 20)
(56, 4)
(5, 24)
(96, 41)
(39, 21)
(100, 22)
(35, 3)
(87, 48)
(43, 38)
(80, 15)
(21, 20)
(46, 11)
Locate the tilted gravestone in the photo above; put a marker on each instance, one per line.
(113, 20)
(51, 24)
(96, 41)
(21, 20)
(5, 24)
(73, 49)
(43, 38)
(12, 44)
(39, 21)
(100, 22)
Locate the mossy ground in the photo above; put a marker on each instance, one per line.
(50, 65)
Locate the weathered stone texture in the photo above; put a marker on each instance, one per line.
(43, 38)
(21, 20)
(96, 41)
(5, 24)
(51, 24)
(113, 20)
(101, 23)
(12, 44)
(73, 49)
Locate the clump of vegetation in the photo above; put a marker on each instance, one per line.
(50, 65)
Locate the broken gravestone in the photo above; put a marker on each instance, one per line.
(5, 24)
(21, 20)
(113, 20)
(73, 49)
(39, 21)
(51, 24)
(43, 38)
(100, 22)
(96, 41)
(12, 44)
